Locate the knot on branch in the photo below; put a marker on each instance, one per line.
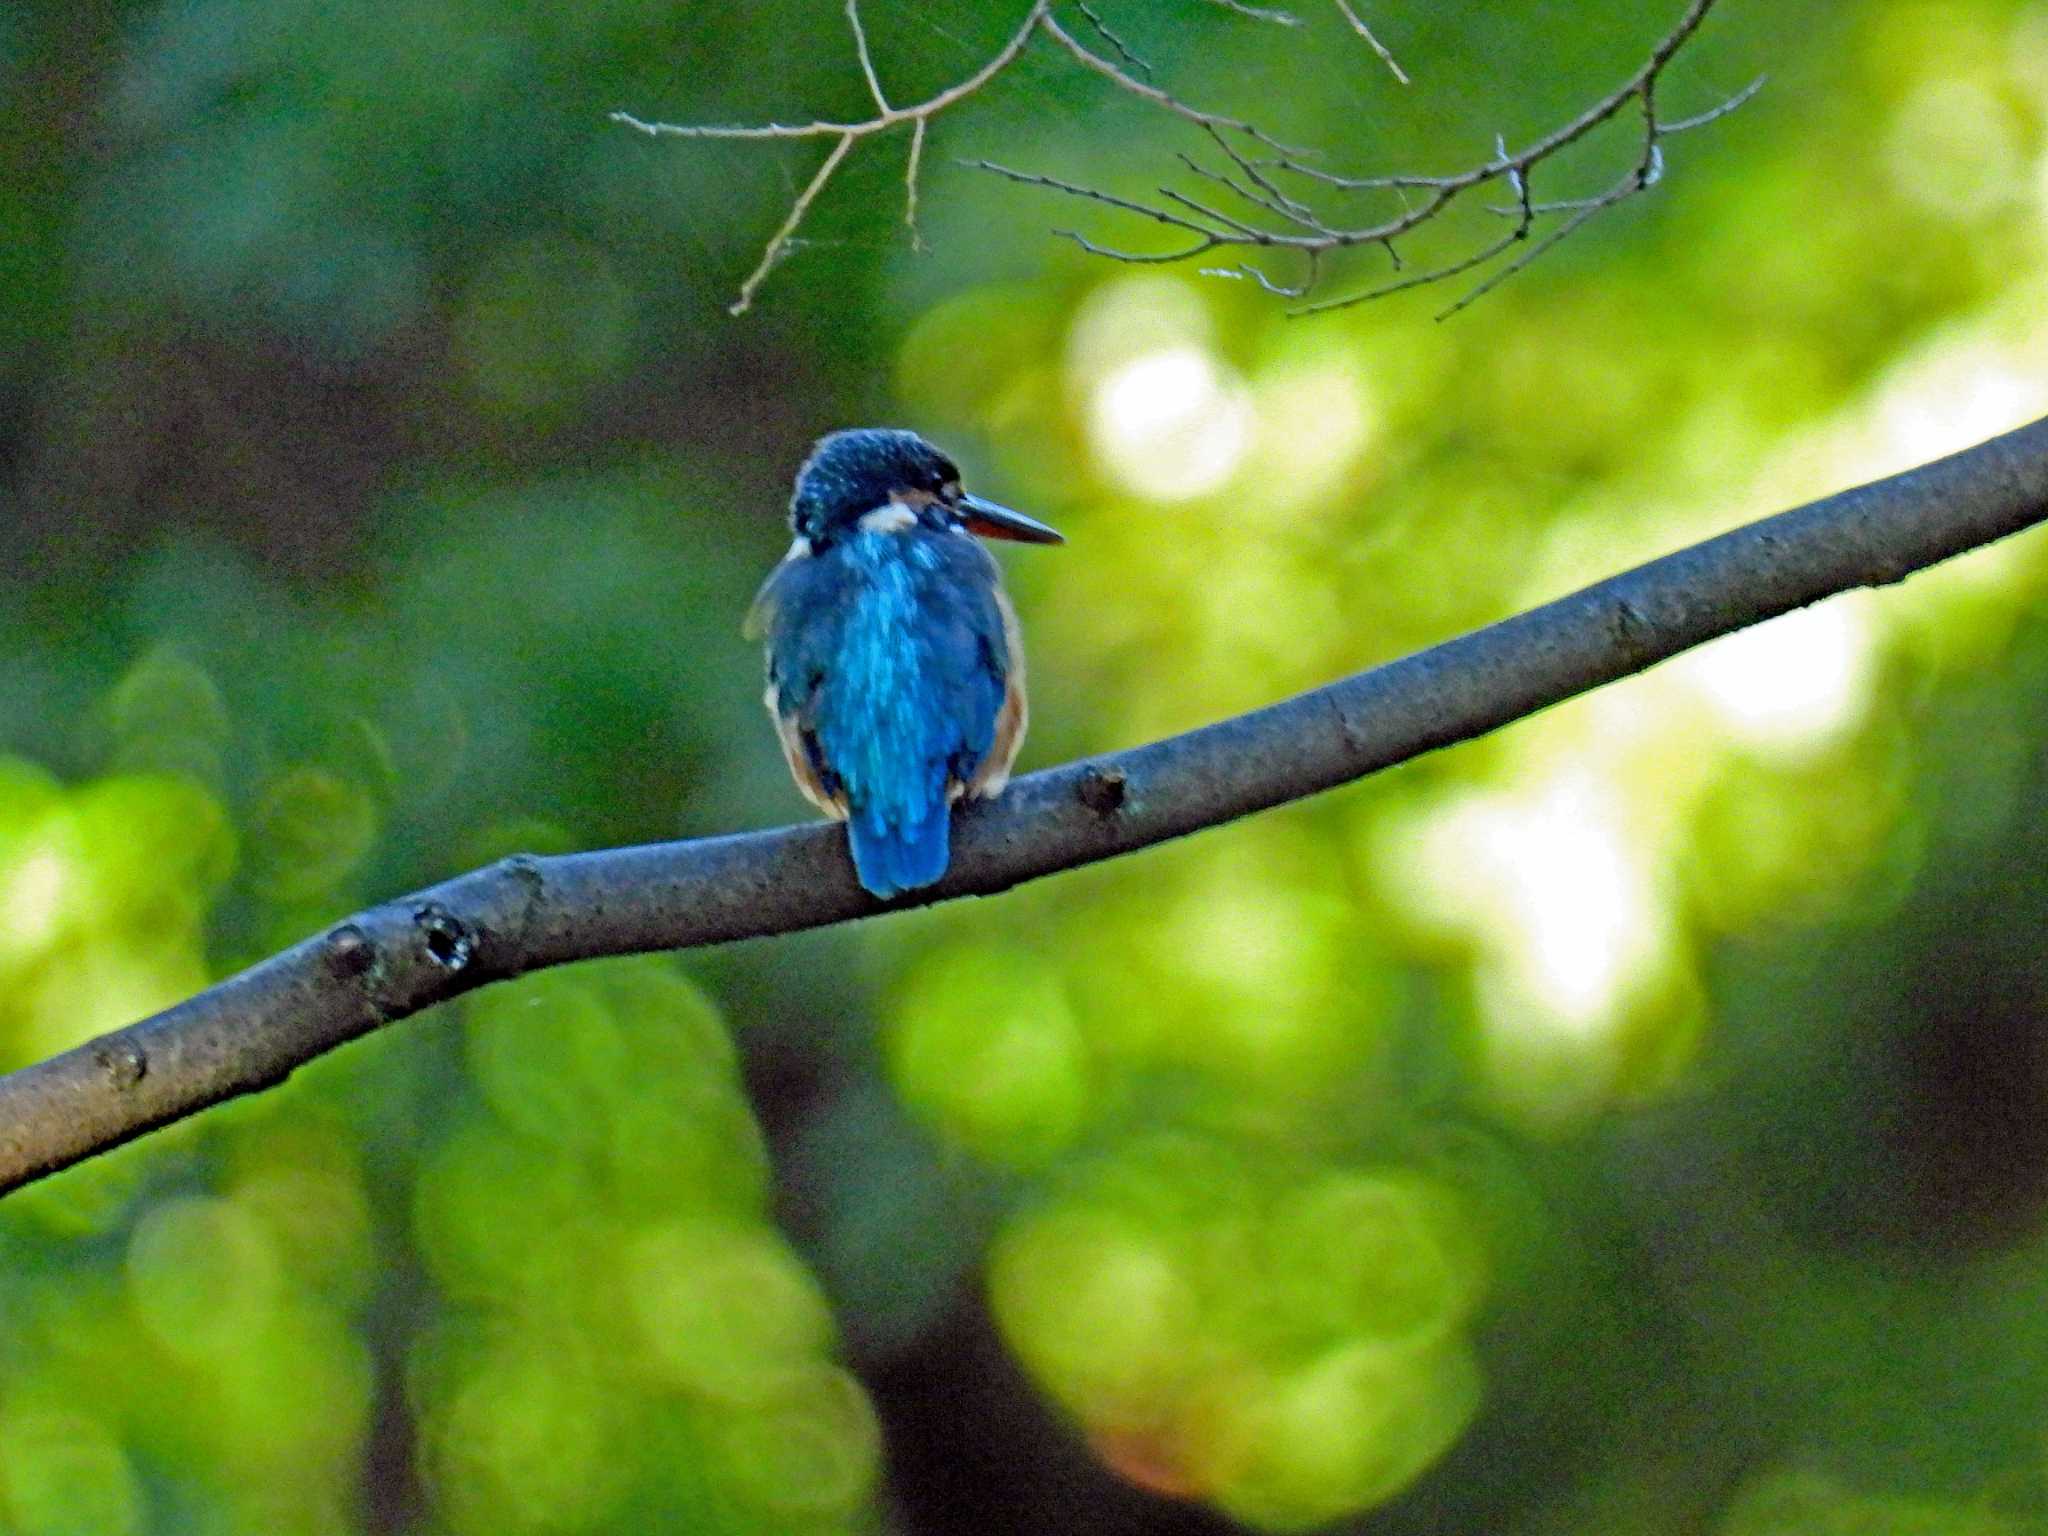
(449, 941)
(349, 953)
(122, 1059)
(1630, 627)
(524, 870)
(1102, 790)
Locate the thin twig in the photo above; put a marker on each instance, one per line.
(778, 243)
(1205, 239)
(1236, 226)
(1423, 279)
(867, 63)
(1117, 44)
(1164, 100)
(1285, 210)
(1140, 258)
(895, 117)
(1378, 47)
(1297, 211)
(1543, 148)
(848, 134)
(1669, 126)
(1536, 248)
(1088, 194)
(1244, 271)
(910, 183)
(1260, 12)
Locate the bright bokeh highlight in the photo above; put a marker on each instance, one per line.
(1292, 1353)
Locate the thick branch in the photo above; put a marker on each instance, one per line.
(525, 913)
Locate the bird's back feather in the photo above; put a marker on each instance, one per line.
(890, 662)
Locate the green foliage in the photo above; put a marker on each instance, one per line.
(1293, 1350)
(1629, 1122)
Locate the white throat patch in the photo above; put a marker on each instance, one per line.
(890, 517)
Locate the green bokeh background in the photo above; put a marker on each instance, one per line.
(1631, 1122)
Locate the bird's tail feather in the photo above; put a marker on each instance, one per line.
(889, 859)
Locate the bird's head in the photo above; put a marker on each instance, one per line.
(882, 478)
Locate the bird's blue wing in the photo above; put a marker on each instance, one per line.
(794, 612)
(968, 659)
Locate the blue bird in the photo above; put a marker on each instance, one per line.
(895, 676)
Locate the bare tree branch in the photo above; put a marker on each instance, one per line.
(1378, 47)
(1536, 248)
(848, 134)
(1515, 170)
(779, 245)
(1714, 113)
(867, 63)
(1117, 45)
(1166, 101)
(910, 183)
(1278, 219)
(1260, 13)
(522, 914)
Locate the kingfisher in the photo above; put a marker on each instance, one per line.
(895, 673)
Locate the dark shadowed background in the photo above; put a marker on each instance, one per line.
(1632, 1122)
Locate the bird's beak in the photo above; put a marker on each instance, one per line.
(995, 522)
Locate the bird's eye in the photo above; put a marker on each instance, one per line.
(949, 490)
